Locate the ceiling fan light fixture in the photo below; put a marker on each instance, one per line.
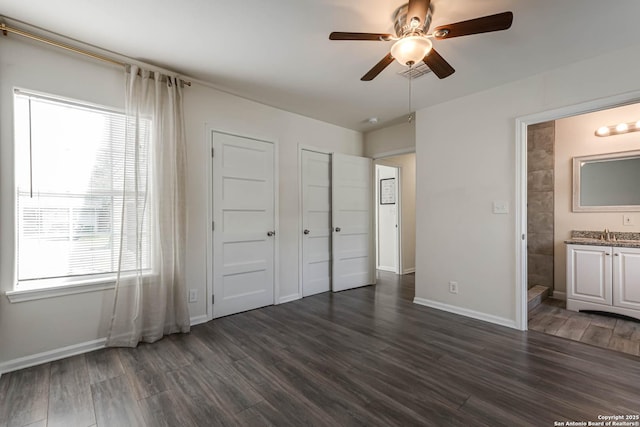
(411, 50)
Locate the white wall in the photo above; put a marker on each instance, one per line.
(407, 165)
(466, 159)
(29, 328)
(400, 138)
(575, 137)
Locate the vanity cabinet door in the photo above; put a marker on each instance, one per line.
(589, 273)
(626, 278)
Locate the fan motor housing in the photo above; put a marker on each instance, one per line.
(403, 28)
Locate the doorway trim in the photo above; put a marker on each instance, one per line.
(394, 153)
(208, 159)
(521, 125)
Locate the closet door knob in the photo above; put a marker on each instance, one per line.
(306, 231)
(271, 233)
(337, 229)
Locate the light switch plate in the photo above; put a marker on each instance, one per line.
(500, 207)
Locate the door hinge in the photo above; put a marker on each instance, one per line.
(211, 151)
(213, 225)
(213, 299)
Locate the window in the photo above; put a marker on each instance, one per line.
(70, 166)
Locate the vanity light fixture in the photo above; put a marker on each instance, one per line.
(618, 129)
(622, 127)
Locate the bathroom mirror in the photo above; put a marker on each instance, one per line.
(607, 182)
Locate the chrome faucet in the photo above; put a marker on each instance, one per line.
(606, 235)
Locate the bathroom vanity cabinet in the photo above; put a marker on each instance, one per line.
(603, 278)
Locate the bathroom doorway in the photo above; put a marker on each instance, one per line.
(552, 141)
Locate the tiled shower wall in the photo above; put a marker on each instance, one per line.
(540, 165)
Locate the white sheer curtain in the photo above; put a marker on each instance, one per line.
(150, 300)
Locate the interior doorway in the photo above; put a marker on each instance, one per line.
(567, 283)
(395, 182)
(387, 219)
(544, 258)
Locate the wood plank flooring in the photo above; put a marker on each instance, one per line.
(596, 329)
(364, 357)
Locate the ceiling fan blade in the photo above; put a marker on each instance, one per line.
(417, 9)
(438, 64)
(336, 35)
(486, 24)
(377, 69)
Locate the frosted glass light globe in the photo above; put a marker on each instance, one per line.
(411, 50)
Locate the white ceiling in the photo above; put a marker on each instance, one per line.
(277, 52)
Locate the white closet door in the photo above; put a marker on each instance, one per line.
(316, 222)
(352, 222)
(244, 232)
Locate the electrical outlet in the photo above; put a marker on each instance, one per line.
(453, 287)
(627, 220)
(193, 295)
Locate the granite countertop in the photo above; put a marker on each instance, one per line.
(617, 239)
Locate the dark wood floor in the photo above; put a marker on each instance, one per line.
(361, 357)
(618, 334)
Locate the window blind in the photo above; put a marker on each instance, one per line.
(70, 169)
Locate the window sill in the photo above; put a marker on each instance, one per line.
(78, 287)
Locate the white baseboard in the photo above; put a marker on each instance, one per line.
(72, 350)
(196, 320)
(289, 298)
(559, 295)
(51, 355)
(409, 270)
(389, 269)
(466, 312)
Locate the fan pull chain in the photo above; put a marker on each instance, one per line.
(410, 118)
(30, 154)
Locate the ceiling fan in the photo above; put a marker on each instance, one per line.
(413, 42)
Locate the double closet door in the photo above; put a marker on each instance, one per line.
(336, 219)
(336, 222)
